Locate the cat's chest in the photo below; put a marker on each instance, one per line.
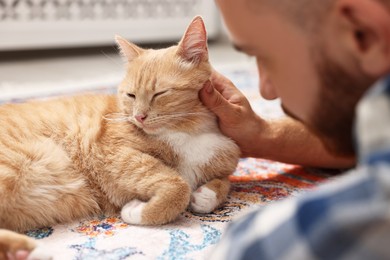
(194, 152)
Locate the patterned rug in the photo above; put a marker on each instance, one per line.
(256, 182)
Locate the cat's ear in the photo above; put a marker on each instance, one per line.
(129, 51)
(193, 45)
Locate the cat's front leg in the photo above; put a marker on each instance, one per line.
(148, 191)
(210, 196)
(167, 196)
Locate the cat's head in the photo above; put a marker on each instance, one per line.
(160, 89)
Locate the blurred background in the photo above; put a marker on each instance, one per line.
(73, 23)
(61, 44)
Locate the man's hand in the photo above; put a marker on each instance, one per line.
(284, 140)
(236, 118)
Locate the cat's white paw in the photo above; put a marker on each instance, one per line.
(40, 253)
(132, 212)
(204, 200)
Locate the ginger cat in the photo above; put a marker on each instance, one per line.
(151, 151)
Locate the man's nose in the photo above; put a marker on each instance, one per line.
(267, 90)
(141, 117)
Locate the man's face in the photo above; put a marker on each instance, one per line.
(281, 51)
(296, 70)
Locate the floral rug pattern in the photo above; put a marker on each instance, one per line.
(255, 183)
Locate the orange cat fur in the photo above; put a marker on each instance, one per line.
(151, 151)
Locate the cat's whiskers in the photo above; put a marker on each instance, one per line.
(162, 119)
(116, 117)
(183, 115)
(158, 119)
(167, 122)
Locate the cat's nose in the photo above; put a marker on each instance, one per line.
(141, 117)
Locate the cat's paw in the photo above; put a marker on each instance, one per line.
(132, 212)
(204, 200)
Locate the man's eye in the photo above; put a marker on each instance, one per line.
(131, 95)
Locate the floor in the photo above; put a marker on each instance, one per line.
(99, 65)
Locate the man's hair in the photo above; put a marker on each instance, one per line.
(308, 14)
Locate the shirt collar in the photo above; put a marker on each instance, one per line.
(373, 123)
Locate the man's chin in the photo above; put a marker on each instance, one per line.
(289, 113)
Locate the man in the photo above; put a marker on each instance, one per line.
(329, 63)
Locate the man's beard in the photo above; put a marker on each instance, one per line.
(333, 117)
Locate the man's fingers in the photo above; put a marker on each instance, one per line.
(214, 101)
(220, 82)
(227, 89)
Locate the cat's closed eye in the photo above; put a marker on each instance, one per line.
(130, 95)
(159, 94)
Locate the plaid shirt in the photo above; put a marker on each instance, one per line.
(348, 218)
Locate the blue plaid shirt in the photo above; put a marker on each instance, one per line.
(348, 218)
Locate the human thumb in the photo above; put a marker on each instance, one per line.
(214, 101)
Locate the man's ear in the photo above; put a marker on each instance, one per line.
(193, 45)
(367, 24)
(129, 51)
